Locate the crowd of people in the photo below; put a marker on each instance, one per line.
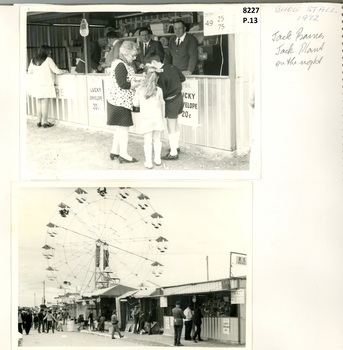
(43, 321)
(46, 319)
(156, 93)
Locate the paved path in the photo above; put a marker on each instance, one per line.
(90, 338)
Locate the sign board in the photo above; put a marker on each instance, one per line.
(66, 87)
(238, 296)
(190, 93)
(95, 93)
(163, 302)
(166, 323)
(236, 19)
(238, 264)
(226, 326)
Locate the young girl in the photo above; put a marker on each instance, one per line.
(43, 70)
(149, 98)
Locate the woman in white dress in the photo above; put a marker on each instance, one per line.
(43, 70)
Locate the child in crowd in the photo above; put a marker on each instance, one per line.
(149, 98)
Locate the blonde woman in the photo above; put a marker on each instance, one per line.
(120, 100)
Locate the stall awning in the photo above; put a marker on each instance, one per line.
(128, 294)
(195, 288)
(110, 292)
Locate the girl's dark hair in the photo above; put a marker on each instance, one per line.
(41, 54)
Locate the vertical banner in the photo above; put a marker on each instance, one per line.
(95, 94)
(190, 93)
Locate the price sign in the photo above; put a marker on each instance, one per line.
(235, 19)
(190, 93)
(215, 23)
(95, 95)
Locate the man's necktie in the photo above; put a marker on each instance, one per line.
(178, 42)
(145, 48)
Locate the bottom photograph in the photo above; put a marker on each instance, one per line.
(139, 264)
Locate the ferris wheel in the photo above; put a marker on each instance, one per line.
(99, 237)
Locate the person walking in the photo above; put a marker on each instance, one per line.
(42, 70)
(59, 319)
(197, 322)
(35, 320)
(50, 321)
(149, 321)
(149, 97)
(182, 50)
(115, 324)
(40, 321)
(188, 322)
(65, 315)
(102, 323)
(120, 100)
(170, 81)
(91, 321)
(20, 321)
(135, 315)
(27, 321)
(178, 323)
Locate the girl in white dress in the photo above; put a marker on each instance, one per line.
(43, 70)
(149, 98)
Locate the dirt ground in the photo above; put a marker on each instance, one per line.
(69, 148)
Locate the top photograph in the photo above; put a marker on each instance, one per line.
(139, 91)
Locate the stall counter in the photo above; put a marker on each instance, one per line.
(209, 121)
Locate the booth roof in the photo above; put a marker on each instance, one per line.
(139, 293)
(198, 287)
(110, 292)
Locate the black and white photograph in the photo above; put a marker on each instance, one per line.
(109, 89)
(132, 266)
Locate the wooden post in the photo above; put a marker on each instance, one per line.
(86, 47)
(232, 77)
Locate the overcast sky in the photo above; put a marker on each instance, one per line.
(198, 222)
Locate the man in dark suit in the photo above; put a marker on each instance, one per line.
(148, 48)
(182, 50)
(178, 323)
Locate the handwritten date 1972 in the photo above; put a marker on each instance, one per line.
(298, 35)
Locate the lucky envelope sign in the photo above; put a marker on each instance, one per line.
(95, 95)
(190, 93)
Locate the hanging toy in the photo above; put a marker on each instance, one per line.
(84, 30)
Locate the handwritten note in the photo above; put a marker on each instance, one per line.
(304, 44)
(299, 47)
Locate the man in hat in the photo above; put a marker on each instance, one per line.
(178, 323)
(115, 324)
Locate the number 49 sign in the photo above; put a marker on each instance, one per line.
(215, 23)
